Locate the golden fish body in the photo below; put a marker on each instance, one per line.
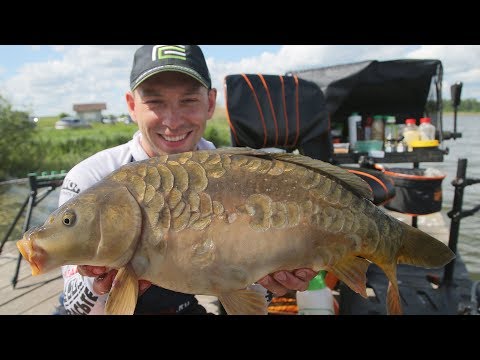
(213, 222)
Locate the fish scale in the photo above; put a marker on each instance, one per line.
(211, 222)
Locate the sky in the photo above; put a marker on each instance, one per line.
(46, 80)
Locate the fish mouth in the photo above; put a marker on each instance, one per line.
(31, 254)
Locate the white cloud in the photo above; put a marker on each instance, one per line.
(83, 74)
(298, 57)
(100, 73)
(459, 61)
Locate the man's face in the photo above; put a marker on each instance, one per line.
(171, 110)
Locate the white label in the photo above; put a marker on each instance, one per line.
(320, 311)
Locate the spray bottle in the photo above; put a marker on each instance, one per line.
(317, 299)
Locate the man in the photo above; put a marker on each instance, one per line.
(171, 99)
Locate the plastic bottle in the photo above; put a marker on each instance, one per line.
(317, 299)
(391, 134)
(427, 129)
(378, 128)
(410, 133)
(352, 128)
(368, 128)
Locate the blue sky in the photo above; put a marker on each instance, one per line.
(47, 80)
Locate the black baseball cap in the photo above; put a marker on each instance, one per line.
(153, 59)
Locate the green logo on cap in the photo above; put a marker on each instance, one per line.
(161, 52)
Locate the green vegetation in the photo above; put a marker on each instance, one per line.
(16, 140)
(64, 148)
(217, 130)
(26, 148)
(466, 105)
(29, 148)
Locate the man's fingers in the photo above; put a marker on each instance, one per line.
(305, 274)
(103, 283)
(91, 271)
(269, 283)
(143, 285)
(283, 281)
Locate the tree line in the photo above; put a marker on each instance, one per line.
(23, 150)
(466, 105)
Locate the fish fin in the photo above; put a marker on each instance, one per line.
(240, 151)
(394, 306)
(351, 270)
(244, 302)
(351, 181)
(122, 299)
(347, 179)
(420, 249)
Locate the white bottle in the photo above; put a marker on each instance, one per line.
(427, 129)
(391, 136)
(410, 133)
(352, 128)
(317, 299)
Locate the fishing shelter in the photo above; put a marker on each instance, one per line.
(289, 113)
(407, 88)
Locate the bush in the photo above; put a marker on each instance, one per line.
(17, 141)
(43, 148)
(218, 130)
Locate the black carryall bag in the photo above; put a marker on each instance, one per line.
(278, 111)
(415, 193)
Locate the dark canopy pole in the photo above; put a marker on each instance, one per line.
(456, 92)
(455, 214)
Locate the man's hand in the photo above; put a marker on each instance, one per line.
(104, 278)
(278, 283)
(281, 282)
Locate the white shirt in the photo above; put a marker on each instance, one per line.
(79, 297)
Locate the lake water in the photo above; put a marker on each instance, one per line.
(12, 196)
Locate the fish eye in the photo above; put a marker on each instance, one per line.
(68, 219)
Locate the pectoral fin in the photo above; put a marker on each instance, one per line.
(351, 270)
(122, 299)
(244, 302)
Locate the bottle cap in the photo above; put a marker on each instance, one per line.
(410, 121)
(425, 120)
(391, 119)
(317, 282)
(378, 117)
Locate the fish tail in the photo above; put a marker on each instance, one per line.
(420, 249)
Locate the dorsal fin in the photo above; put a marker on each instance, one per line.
(351, 181)
(240, 151)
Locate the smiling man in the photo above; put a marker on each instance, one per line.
(170, 99)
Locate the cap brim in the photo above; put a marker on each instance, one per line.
(164, 68)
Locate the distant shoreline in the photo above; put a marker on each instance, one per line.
(462, 113)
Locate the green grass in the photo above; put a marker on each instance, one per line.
(47, 122)
(62, 149)
(218, 130)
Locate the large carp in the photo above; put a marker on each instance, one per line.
(212, 222)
